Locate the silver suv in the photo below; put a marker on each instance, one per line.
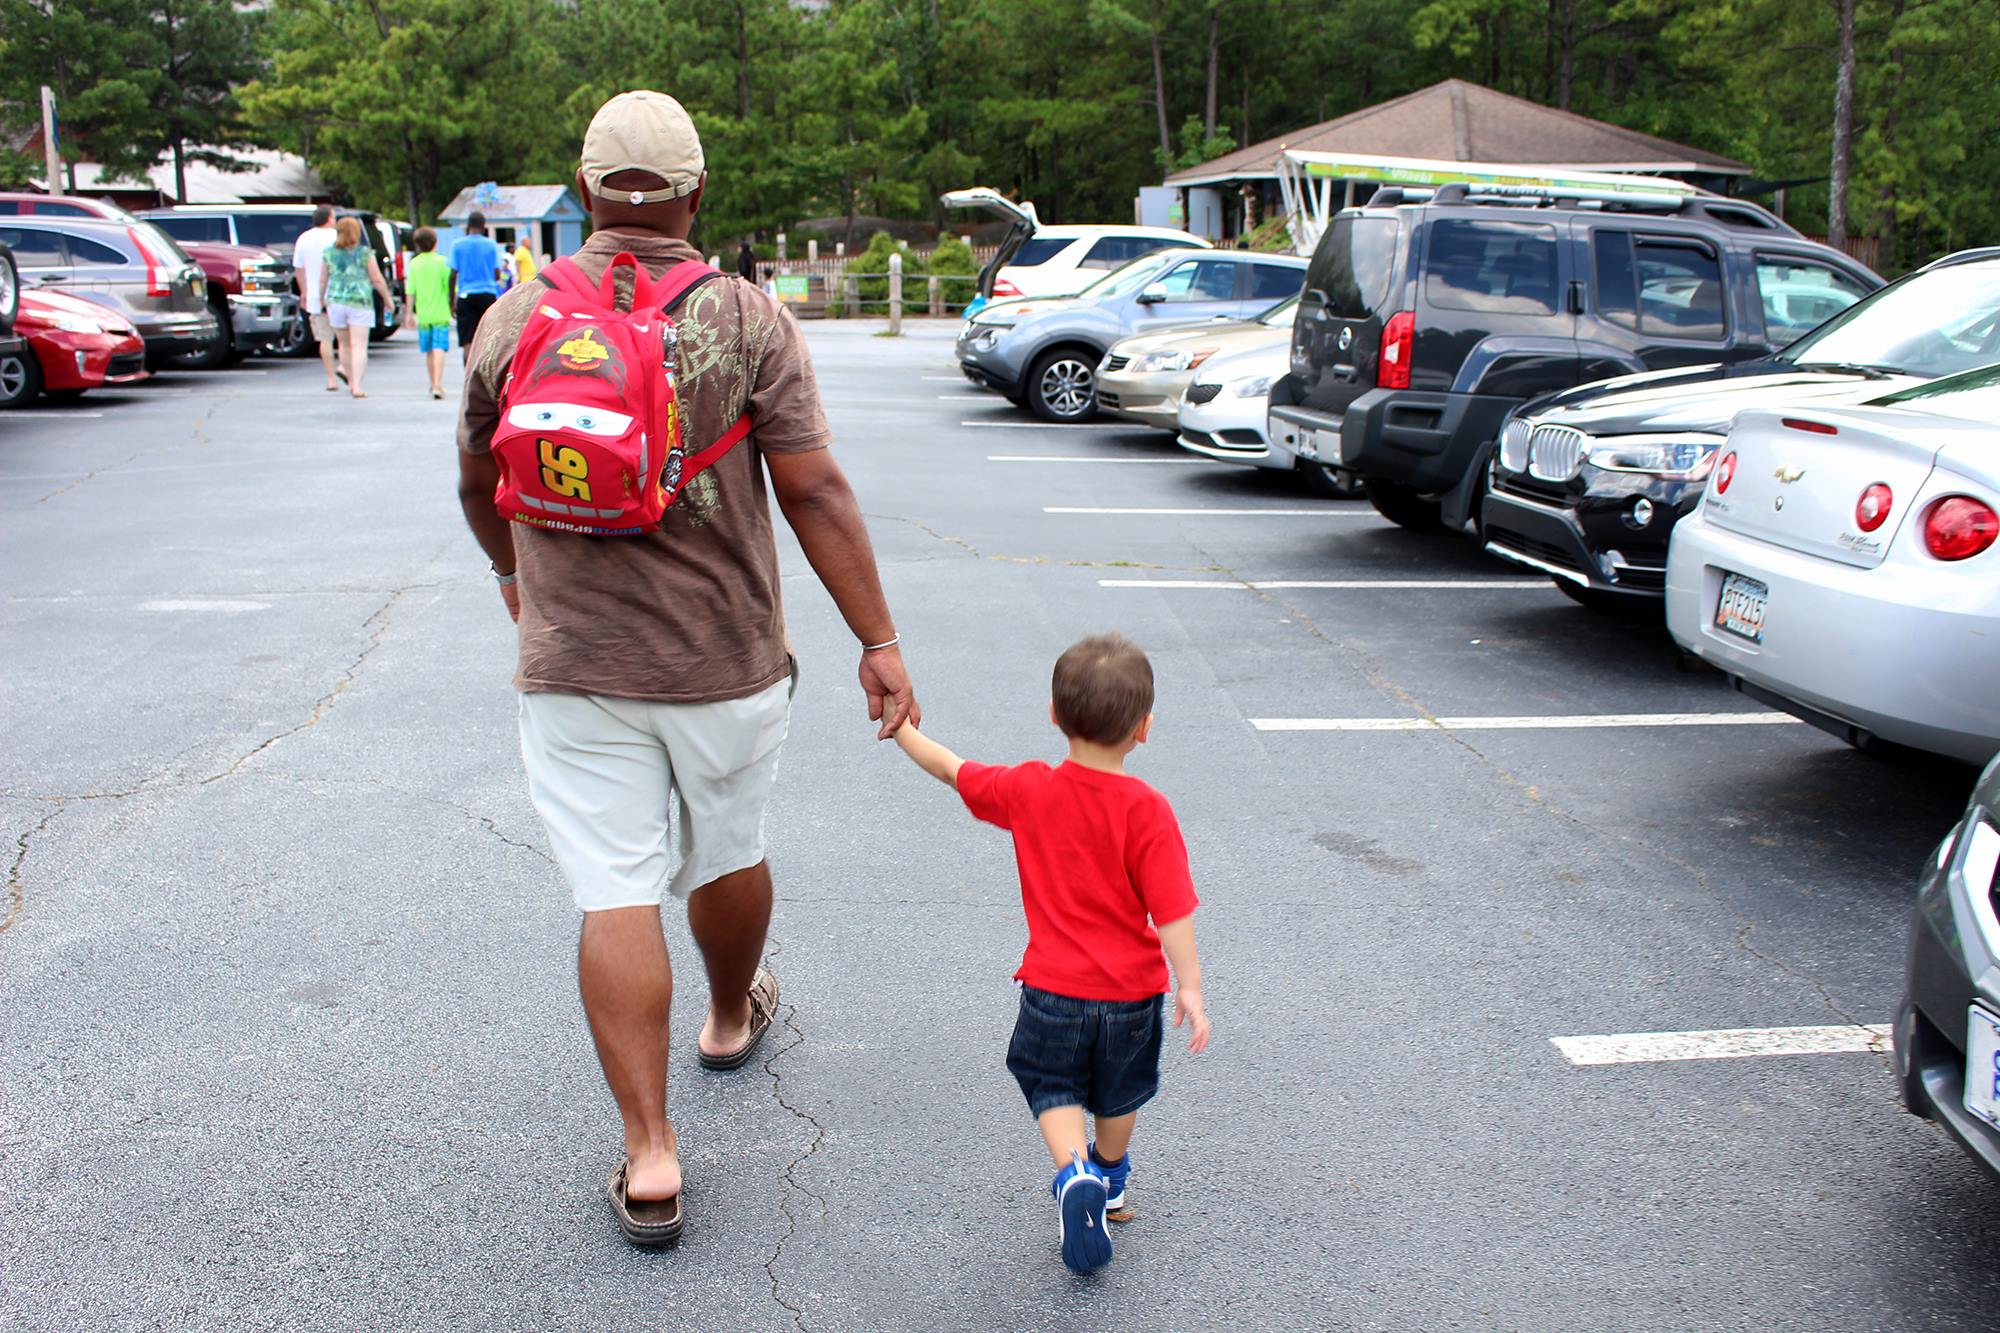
(139, 272)
(1043, 354)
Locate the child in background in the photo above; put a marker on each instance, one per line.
(427, 282)
(1099, 853)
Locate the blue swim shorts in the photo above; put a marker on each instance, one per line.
(433, 337)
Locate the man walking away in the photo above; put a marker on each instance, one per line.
(475, 278)
(308, 259)
(746, 263)
(525, 266)
(654, 667)
(427, 280)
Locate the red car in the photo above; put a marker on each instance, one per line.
(73, 345)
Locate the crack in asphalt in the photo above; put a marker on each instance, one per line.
(485, 821)
(1373, 673)
(16, 893)
(326, 701)
(200, 437)
(792, 1183)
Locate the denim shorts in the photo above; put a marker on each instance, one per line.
(433, 337)
(1102, 1055)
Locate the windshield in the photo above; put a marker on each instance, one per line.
(1281, 315)
(1120, 281)
(1938, 322)
(1974, 396)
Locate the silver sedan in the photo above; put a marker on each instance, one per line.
(1843, 566)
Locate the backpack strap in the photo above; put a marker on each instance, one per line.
(679, 282)
(666, 292)
(738, 431)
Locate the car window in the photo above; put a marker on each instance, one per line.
(1662, 288)
(1974, 395)
(1497, 267)
(1935, 322)
(1354, 263)
(1124, 281)
(1114, 251)
(1281, 315)
(1271, 282)
(193, 229)
(1800, 294)
(1201, 280)
(83, 250)
(33, 248)
(269, 229)
(1039, 250)
(47, 209)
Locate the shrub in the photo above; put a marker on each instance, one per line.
(874, 291)
(953, 262)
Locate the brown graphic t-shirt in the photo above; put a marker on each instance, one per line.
(690, 613)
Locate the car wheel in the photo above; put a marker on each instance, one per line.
(20, 379)
(217, 354)
(1331, 482)
(1062, 386)
(1403, 506)
(294, 339)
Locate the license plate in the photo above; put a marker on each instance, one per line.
(1740, 608)
(1982, 1066)
(1308, 442)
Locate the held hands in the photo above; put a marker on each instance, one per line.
(510, 593)
(1188, 1009)
(886, 682)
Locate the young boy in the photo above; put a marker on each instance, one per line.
(427, 281)
(1099, 853)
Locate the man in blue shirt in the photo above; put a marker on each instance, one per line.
(475, 278)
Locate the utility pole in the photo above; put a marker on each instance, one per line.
(50, 150)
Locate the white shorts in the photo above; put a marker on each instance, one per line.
(350, 316)
(603, 773)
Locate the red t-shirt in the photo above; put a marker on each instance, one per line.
(1099, 853)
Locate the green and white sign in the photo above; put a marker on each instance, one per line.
(795, 287)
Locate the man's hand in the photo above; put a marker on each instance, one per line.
(886, 682)
(510, 593)
(1188, 1008)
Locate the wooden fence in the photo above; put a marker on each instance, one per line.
(832, 291)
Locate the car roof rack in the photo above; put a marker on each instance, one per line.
(1729, 212)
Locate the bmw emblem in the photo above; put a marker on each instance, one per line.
(1346, 338)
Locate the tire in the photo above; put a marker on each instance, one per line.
(216, 355)
(1062, 385)
(20, 379)
(1403, 506)
(1329, 482)
(294, 340)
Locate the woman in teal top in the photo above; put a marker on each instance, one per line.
(347, 275)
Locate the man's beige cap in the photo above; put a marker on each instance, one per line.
(642, 131)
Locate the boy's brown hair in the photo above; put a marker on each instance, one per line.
(1103, 689)
(424, 239)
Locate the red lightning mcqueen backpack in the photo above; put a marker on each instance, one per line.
(589, 438)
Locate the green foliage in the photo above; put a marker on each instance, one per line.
(1199, 146)
(954, 257)
(873, 292)
(135, 80)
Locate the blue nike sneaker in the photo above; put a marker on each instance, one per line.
(1114, 1173)
(1080, 1195)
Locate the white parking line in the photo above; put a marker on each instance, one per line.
(1269, 513)
(1062, 458)
(945, 379)
(1260, 585)
(1629, 1048)
(1556, 722)
(970, 398)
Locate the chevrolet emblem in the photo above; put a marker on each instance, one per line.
(1788, 474)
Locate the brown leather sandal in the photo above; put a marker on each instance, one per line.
(647, 1223)
(763, 1008)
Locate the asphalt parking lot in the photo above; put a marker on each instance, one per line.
(288, 1028)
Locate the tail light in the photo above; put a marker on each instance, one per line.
(399, 266)
(1815, 427)
(1725, 472)
(1959, 527)
(156, 277)
(1392, 364)
(1003, 289)
(1871, 511)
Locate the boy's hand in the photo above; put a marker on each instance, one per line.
(1188, 1009)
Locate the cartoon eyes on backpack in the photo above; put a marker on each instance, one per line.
(569, 416)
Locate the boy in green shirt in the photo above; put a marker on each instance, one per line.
(427, 281)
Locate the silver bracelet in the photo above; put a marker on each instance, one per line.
(505, 580)
(889, 642)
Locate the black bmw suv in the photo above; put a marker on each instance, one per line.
(1428, 315)
(1588, 484)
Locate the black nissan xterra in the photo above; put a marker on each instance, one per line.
(1429, 314)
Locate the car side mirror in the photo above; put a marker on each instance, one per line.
(1154, 294)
